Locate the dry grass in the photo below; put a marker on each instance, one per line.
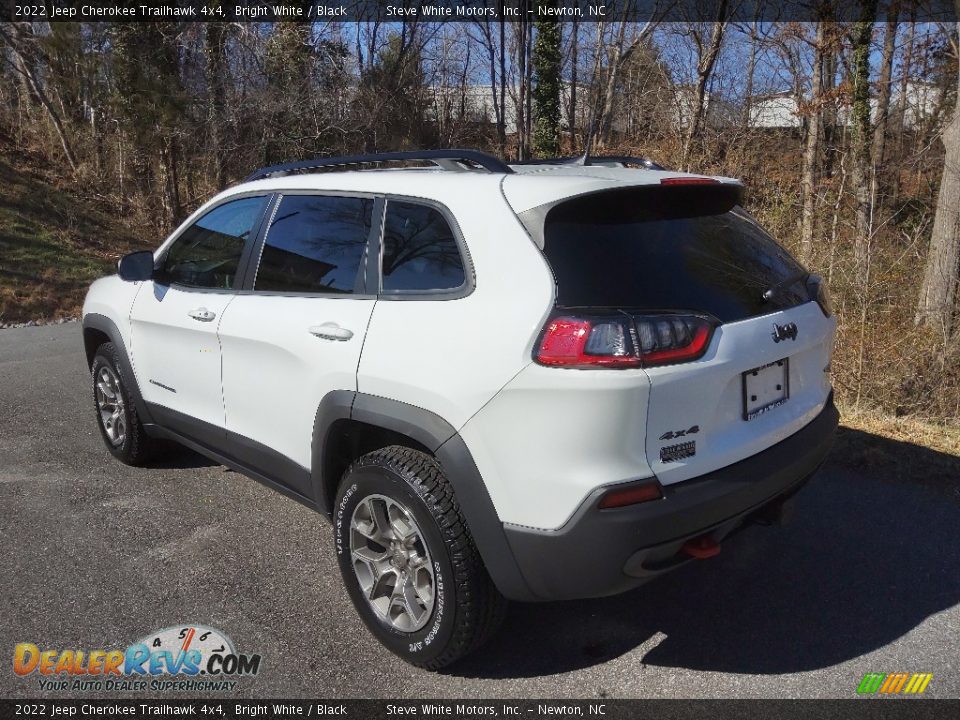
(900, 449)
(936, 436)
(53, 241)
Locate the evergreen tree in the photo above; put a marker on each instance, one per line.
(546, 91)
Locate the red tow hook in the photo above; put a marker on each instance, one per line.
(701, 547)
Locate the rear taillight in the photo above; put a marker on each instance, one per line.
(624, 341)
(666, 339)
(581, 342)
(689, 180)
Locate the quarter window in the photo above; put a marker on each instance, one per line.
(315, 244)
(420, 252)
(207, 254)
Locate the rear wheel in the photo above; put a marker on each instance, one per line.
(120, 426)
(408, 560)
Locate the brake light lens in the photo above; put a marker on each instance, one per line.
(683, 180)
(580, 342)
(624, 341)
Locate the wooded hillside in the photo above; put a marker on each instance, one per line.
(845, 133)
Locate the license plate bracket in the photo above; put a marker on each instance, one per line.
(765, 388)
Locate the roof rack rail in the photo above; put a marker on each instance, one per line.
(597, 160)
(446, 159)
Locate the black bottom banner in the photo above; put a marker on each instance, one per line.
(599, 709)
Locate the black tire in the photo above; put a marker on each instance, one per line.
(136, 446)
(467, 608)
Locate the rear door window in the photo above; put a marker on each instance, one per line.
(659, 248)
(315, 244)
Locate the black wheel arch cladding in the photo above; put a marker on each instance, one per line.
(440, 439)
(95, 327)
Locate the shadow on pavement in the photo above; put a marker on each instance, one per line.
(869, 554)
(174, 456)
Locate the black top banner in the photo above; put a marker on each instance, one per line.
(584, 11)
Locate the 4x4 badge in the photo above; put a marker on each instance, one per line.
(671, 434)
(784, 332)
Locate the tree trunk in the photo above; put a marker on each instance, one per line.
(811, 150)
(938, 294)
(171, 186)
(861, 170)
(705, 65)
(216, 66)
(572, 107)
(528, 79)
(614, 60)
(907, 65)
(523, 150)
(619, 56)
(751, 72)
(829, 108)
(881, 121)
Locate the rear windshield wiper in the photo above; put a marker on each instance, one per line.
(770, 293)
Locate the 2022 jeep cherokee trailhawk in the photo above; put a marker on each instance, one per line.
(536, 381)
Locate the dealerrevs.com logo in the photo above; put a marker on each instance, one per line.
(184, 657)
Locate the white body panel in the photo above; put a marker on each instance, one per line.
(275, 371)
(553, 435)
(112, 297)
(451, 356)
(176, 357)
(708, 392)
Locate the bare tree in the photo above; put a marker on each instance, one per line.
(812, 143)
(605, 77)
(20, 39)
(938, 293)
(861, 170)
(708, 49)
(884, 84)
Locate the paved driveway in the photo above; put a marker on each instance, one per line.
(96, 554)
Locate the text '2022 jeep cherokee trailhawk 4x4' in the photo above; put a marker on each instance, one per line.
(531, 382)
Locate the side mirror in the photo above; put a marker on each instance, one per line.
(136, 266)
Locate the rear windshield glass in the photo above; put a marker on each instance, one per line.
(668, 248)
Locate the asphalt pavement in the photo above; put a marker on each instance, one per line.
(865, 578)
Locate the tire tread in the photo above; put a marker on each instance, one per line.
(480, 606)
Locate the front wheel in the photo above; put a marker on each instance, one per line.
(123, 432)
(408, 560)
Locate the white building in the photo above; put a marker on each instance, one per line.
(781, 110)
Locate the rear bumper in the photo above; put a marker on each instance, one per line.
(604, 552)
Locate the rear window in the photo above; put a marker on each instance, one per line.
(420, 253)
(668, 248)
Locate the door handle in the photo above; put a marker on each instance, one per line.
(331, 331)
(202, 314)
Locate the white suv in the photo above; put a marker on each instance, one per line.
(533, 381)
